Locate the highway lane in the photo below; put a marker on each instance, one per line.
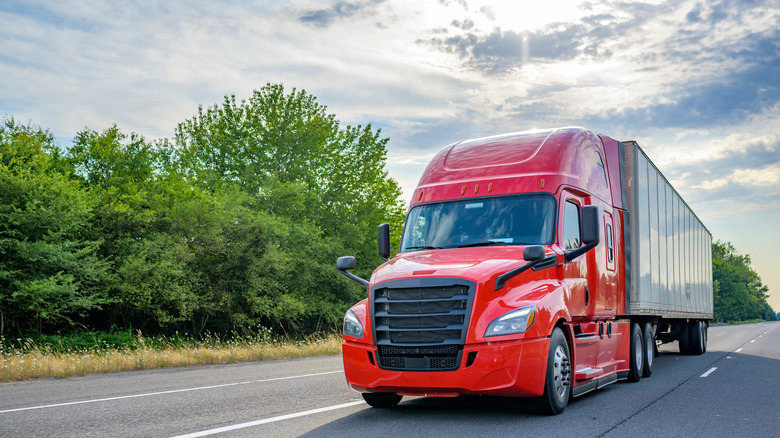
(308, 397)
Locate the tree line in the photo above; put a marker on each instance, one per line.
(232, 224)
(739, 294)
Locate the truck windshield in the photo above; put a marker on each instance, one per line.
(515, 220)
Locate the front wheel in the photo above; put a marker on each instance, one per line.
(557, 382)
(381, 399)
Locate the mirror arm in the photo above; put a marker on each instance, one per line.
(503, 278)
(355, 278)
(573, 254)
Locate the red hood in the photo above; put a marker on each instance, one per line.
(475, 264)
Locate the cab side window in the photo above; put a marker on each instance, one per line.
(571, 226)
(600, 165)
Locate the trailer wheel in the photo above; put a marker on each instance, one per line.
(636, 356)
(696, 337)
(557, 382)
(381, 399)
(704, 328)
(648, 334)
(684, 338)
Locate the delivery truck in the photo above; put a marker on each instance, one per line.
(543, 264)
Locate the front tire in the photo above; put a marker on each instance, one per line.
(382, 399)
(636, 356)
(557, 382)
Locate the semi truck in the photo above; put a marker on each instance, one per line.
(542, 264)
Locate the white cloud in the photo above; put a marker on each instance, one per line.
(694, 82)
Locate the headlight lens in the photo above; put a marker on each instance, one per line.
(516, 321)
(352, 325)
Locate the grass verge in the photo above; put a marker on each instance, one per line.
(26, 358)
(722, 323)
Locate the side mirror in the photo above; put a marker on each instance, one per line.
(590, 224)
(384, 241)
(346, 263)
(590, 232)
(533, 252)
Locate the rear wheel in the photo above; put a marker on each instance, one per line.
(381, 399)
(648, 335)
(636, 356)
(697, 337)
(704, 328)
(683, 336)
(557, 382)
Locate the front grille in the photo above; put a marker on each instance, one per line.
(421, 324)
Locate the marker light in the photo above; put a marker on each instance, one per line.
(516, 321)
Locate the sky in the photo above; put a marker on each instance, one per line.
(695, 83)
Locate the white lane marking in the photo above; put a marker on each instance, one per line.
(173, 391)
(752, 340)
(709, 371)
(267, 420)
(738, 350)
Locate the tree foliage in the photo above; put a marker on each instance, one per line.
(50, 271)
(739, 294)
(235, 223)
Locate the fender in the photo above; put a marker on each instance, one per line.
(546, 295)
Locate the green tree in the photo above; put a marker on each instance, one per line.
(149, 281)
(320, 188)
(50, 273)
(739, 293)
(289, 137)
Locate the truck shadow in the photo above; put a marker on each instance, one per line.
(434, 416)
(676, 376)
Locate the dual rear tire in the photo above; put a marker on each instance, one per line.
(692, 337)
(642, 354)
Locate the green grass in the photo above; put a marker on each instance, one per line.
(79, 354)
(750, 321)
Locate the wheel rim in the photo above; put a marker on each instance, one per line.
(649, 350)
(561, 372)
(638, 353)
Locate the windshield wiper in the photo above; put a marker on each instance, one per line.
(488, 243)
(422, 247)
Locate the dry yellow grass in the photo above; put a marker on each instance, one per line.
(37, 363)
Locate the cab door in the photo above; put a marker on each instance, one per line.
(579, 297)
(608, 288)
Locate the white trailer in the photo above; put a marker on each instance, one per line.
(668, 256)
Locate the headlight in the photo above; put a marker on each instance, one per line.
(516, 321)
(352, 325)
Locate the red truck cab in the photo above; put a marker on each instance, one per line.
(510, 279)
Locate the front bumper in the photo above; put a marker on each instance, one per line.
(509, 368)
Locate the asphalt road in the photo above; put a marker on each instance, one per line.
(732, 390)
